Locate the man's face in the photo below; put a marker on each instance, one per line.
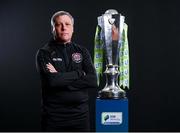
(63, 28)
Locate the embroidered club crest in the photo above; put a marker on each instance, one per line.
(77, 57)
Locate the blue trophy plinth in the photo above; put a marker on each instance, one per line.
(111, 115)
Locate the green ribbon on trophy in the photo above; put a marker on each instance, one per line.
(123, 57)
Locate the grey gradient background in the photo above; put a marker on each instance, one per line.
(154, 42)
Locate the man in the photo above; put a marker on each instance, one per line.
(66, 72)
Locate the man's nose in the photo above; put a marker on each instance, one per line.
(63, 26)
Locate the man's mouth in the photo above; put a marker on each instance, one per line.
(64, 34)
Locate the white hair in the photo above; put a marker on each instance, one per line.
(60, 13)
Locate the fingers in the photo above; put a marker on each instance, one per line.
(50, 68)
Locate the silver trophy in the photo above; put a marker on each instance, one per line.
(111, 24)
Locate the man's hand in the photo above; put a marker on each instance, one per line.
(51, 68)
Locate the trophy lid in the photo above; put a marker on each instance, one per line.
(111, 11)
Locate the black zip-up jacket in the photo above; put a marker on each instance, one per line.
(76, 74)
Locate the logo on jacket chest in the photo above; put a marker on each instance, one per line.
(77, 57)
(57, 59)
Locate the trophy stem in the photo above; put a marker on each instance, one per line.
(112, 89)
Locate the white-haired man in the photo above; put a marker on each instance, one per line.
(66, 72)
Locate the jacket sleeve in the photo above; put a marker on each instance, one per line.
(54, 79)
(89, 79)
